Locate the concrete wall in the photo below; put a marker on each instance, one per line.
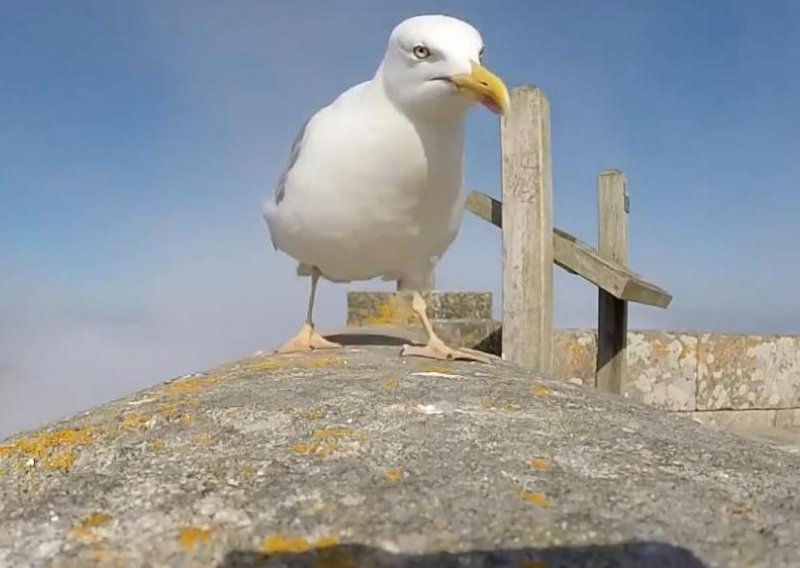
(718, 378)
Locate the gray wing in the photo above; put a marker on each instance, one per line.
(297, 146)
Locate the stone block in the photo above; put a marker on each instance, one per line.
(662, 369)
(661, 366)
(462, 319)
(575, 355)
(391, 308)
(748, 371)
(787, 418)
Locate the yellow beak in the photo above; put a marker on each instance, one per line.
(487, 87)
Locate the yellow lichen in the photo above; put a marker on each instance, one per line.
(539, 390)
(395, 311)
(190, 385)
(157, 445)
(534, 498)
(437, 369)
(324, 362)
(390, 383)
(394, 475)
(61, 461)
(134, 422)
(281, 544)
(54, 449)
(538, 463)
(191, 537)
(315, 414)
(84, 529)
(736, 509)
(331, 433)
(203, 439)
(497, 404)
(96, 519)
(315, 449)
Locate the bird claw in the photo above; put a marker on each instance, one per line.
(437, 349)
(306, 340)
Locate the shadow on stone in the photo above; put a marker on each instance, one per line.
(355, 339)
(385, 335)
(493, 343)
(625, 555)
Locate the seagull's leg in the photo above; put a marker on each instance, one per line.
(435, 348)
(308, 338)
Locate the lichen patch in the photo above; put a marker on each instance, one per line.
(54, 450)
(191, 537)
(534, 498)
(282, 544)
(84, 530)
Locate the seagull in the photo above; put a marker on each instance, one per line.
(374, 183)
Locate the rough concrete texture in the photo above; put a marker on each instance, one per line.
(358, 457)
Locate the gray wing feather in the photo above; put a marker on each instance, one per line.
(297, 146)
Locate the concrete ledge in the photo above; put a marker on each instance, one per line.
(362, 458)
(682, 371)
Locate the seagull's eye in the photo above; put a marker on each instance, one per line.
(421, 52)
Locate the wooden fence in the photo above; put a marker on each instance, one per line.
(531, 246)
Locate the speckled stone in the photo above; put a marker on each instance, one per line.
(575, 355)
(788, 418)
(662, 366)
(369, 308)
(748, 371)
(737, 419)
(662, 369)
(358, 457)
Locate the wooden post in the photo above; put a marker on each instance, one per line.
(612, 330)
(527, 187)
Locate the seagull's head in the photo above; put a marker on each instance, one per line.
(433, 65)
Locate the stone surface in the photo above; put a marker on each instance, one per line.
(737, 419)
(461, 319)
(788, 418)
(373, 308)
(748, 371)
(681, 371)
(662, 366)
(575, 355)
(361, 458)
(662, 369)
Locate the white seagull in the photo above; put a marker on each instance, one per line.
(374, 184)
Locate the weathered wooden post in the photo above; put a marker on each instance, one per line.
(527, 187)
(612, 331)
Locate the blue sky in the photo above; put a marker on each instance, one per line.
(139, 139)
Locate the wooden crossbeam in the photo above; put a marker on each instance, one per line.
(577, 257)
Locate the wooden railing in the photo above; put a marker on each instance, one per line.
(531, 246)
